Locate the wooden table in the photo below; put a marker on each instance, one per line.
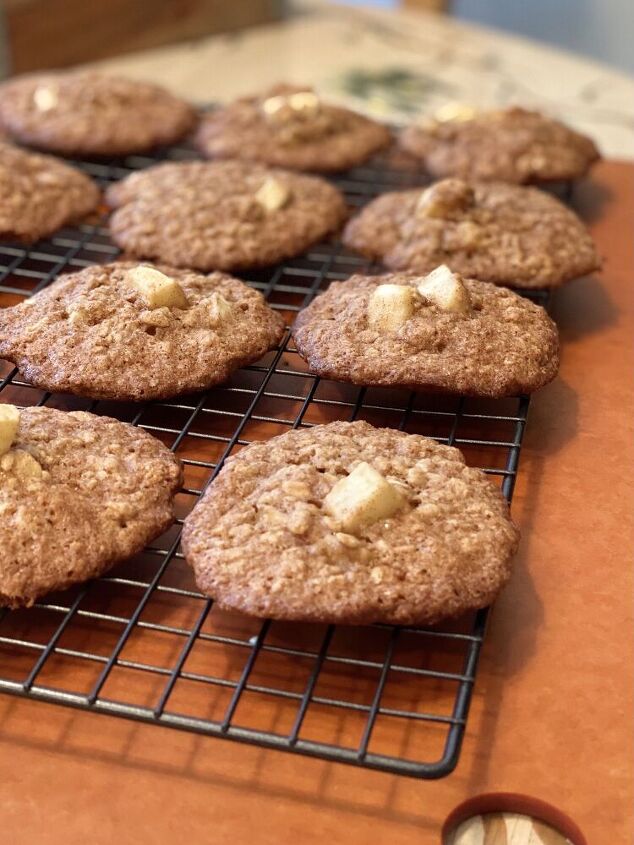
(551, 712)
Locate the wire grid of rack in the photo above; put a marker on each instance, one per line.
(142, 643)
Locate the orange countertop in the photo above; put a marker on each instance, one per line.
(551, 713)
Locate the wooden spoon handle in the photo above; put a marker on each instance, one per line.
(505, 829)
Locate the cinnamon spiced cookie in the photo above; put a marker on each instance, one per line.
(134, 332)
(88, 113)
(40, 194)
(291, 127)
(221, 215)
(505, 145)
(347, 523)
(438, 332)
(78, 494)
(510, 235)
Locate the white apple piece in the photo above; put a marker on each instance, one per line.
(361, 498)
(446, 199)
(9, 422)
(445, 290)
(304, 101)
(157, 289)
(455, 113)
(390, 306)
(272, 105)
(220, 307)
(45, 98)
(21, 463)
(428, 204)
(282, 106)
(273, 194)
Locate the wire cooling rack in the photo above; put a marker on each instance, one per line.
(142, 643)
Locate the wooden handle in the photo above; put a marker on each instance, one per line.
(505, 829)
(426, 5)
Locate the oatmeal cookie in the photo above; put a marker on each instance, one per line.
(291, 127)
(87, 113)
(78, 494)
(347, 523)
(134, 332)
(40, 194)
(223, 215)
(505, 145)
(510, 235)
(498, 344)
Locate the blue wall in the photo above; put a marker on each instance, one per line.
(601, 29)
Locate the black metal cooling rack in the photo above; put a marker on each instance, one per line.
(142, 643)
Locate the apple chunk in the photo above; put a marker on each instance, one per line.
(446, 199)
(45, 98)
(156, 289)
(21, 464)
(282, 106)
(220, 308)
(390, 306)
(9, 422)
(445, 290)
(305, 101)
(361, 498)
(273, 194)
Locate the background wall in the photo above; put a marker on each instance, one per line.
(603, 29)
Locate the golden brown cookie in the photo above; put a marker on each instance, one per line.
(291, 127)
(88, 113)
(78, 494)
(40, 194)
(221, 215)
(504, 145)
(399, 330)
(351, 524)
(134, 332)
(510, 235)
